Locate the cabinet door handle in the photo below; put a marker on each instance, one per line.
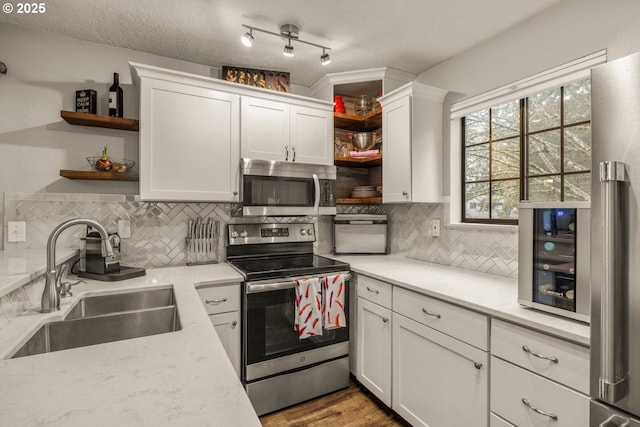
(286, 153)
(539, 411)
(375, 291)
(235, 193)
(477, 365)
(293, 148)
(428, 313)
(234, 323)
(385, 319)
(538, 355)
(215, 301)
(405, 194)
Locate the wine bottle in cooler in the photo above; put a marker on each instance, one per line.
(116, 108)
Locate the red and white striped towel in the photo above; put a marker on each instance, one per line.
(333, 311)
(308, 307)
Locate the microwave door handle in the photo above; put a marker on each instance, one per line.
(316, 183)
(611, 388)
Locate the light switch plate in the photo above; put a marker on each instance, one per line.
(435, 228)
(16, 231)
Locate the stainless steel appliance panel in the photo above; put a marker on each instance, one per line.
(360, 234)
(615, 317)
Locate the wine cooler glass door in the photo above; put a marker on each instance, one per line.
(554, 253)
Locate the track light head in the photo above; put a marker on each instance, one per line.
(247, 38)
(288, 50)
(325, 59)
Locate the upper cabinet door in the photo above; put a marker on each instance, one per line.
(396, 158)
(265, 129)
(311, 135)
(189, 142)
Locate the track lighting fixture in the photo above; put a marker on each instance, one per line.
(288, 32)
(247, 38)
(325, 58)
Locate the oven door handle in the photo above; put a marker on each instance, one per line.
(254, 288)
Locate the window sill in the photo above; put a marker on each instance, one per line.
(484, 227)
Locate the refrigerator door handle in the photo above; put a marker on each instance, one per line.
(611, 388)
(619, 421)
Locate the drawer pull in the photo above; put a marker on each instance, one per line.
(551, 415)
(477, 365)
(428, 313)
(539, 356)
(375, 291)
(620, 421)
(215, 301)
(385, 319)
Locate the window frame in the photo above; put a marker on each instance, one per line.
(554, 77)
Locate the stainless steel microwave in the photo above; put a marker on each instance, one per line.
(272, 188)
(554, 272)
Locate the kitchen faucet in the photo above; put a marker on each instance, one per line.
(51, 293)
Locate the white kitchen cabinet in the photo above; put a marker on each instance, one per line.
(412, 144)
(437, 379)
(189, 141)
(222, 303)
(282, 131)
(374, 349)
(228, 329)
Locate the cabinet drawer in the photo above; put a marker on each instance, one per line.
(529, 349)
(375, 291)
(465, 325)
(512, 386)
(220, 299)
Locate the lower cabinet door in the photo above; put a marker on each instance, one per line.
(228, 329)
(374, 349)
(438, 381)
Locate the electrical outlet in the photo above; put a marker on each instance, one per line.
(435, 228)
(16, 231)
(124, 228)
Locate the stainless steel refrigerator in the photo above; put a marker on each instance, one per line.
(615, 244)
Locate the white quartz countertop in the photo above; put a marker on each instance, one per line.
(493, 295)
(181, 378)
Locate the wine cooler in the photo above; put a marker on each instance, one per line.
(553, 258)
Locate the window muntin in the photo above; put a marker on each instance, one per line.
(535, 148)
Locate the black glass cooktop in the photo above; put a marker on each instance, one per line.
(269, 267)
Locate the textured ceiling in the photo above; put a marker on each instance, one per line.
(410, 35)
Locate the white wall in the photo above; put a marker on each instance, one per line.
(567, 31)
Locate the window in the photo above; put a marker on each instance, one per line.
(534, 148)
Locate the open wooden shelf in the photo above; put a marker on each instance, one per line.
(101, 176)
(370, 122)
(86, 119)
(359, 201)
(362, 162)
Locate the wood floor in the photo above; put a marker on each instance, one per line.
(351, 407)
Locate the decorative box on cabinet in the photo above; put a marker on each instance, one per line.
(412, 144)
(189, 137)
(438, 379)
(222, 303)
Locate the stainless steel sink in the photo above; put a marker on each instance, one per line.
(107, 318)
(126, 301)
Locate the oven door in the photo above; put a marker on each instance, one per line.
(268, 328)
(284, 188)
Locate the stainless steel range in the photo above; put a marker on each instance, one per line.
(279, 367)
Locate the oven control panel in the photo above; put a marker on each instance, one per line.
(243, 234)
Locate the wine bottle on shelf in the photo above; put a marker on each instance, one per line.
(116, 108)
